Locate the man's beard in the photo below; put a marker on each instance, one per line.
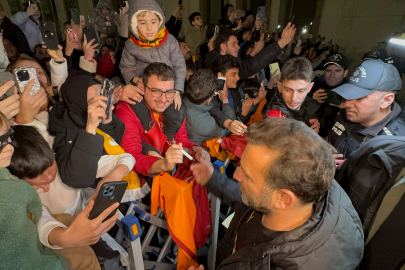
(259, 203)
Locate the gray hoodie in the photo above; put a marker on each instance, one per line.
(135, 59)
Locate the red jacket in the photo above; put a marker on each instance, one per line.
(134, 135)
(275, 113)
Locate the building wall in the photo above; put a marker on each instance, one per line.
(358, 25)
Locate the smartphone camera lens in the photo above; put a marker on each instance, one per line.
(23, 75)
(48, 35)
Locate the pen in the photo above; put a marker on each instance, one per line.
(188, 156)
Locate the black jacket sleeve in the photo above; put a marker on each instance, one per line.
(173, 25)
(21, 41)
(78, 161)
(252, 65)
(225, 189)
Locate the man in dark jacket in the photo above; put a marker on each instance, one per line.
(227, 44)
(334, 76)
(13, 33)
(289, 212)
(370, 109)
(291, 100)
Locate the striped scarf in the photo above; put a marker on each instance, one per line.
(144, 43)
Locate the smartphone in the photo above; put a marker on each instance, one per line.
(221, 83)
(6, 77)
(23, 76)
(107, 90)
(90, 33)
(49, 36)
(273, 67)
(75, 13)
(72, 32)
(261, 13)
(180, 2)
(109, 193)
(332, 97)
(298, 42)
(216, 30)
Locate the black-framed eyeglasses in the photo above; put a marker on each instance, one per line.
(4, 140)
(159, 93)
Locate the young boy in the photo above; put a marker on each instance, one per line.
(151, 42)
(197, 35)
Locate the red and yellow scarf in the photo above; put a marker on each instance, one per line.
(144, 43)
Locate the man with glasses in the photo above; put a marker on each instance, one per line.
(152, 131)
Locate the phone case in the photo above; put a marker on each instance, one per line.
(107, 90)
(6, 77)
(23, 76)
(332, 97)
(221, 83)
(273, 67)
(90, 33)
(216, 31)
(261, 13)
(75, 15)
(110, 193)
(49, 36)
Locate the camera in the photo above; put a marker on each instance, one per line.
(23, 75)
(49, 35)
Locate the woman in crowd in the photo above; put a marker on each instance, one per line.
(29, 22)
(76, 124)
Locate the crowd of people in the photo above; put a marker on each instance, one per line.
(287, 101)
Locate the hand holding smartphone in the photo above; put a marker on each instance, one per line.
(109, 194)
(90, 33)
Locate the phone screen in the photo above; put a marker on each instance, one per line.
(273, 67)
(221, 83)
(108, 91)
(216, 31)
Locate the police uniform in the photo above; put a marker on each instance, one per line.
(371, 76)
(347, 136)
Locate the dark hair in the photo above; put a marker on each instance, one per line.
(33, 154)
(192, 16)
(242, 32)
(224, 10)
(36, 47)
(298, 68)
(67, 23)
(223, 37)
(224, 63)
(247, 14)
(161, 70)
(105, 45)
(246, 47)
(300, 148)
(201, 86)
(115, 42)
(190, 65)
(251, 87)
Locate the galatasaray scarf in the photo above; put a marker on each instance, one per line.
(144, 43)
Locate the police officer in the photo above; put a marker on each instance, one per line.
(369, 107)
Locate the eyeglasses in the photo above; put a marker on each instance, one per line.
(159, 93)
(4, 139)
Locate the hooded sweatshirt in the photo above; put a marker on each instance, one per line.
(135, 59)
